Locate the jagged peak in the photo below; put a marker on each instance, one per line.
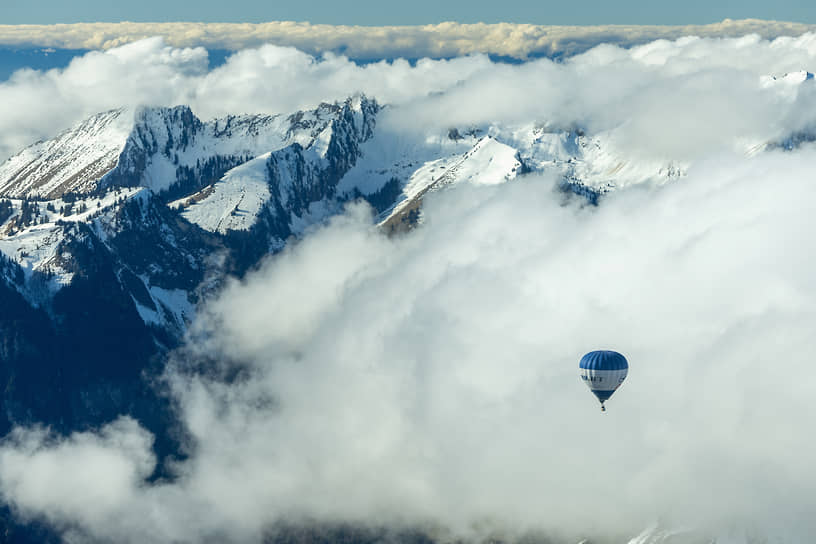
(158, 116)
(113, 113)
(122, 146)
(359, 102)
(146, 109)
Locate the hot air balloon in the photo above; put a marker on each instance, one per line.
(603, 372)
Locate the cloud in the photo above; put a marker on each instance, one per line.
(604, 88)
(449, 39)
(37, 105)
(80, 479)
(430, 380)
(433, 377)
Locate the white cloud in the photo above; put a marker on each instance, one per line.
(80, 479)
(36, 105)
(439, 382)
(439, 40)
(431, 379)
(643, 87)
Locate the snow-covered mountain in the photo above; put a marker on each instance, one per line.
(211, 198)
(100, 272)
(89, 173)
(246, 183)
(292, 185)
(73, 161)
(157, 148)
(114, 231)
(658, 534)
(487, 162)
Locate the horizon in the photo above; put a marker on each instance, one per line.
(424, 24)
(437, 40)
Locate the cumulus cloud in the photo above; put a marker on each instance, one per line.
(81, 479)
(36, 105)
(607, 87)
(430, 380)
(448, 39)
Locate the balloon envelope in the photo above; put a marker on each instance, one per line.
(603, 371)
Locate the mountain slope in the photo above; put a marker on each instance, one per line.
(72, 162)
(99, 277)
(488, 162)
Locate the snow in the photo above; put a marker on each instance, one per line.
(316, 213)
(320, 146)
(34, 247)
(174, 301)
(152, 144)
(389, 155)
(35, 250)
(489, 162)
(237, 136)
(82, 158)
(173, 307)
(426, 175)
(661, 535)
(797, 77)
(233, 136)
(73, 161)
(592, 161)
(791, 78)
(601, 167)
(148, 315)
(235, 201)
(232, 203)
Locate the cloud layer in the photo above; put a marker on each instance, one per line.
(430, 380)
(448, 39)
(606, 87)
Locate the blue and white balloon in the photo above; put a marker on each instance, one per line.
(603, 372)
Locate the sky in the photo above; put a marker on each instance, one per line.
(431, 379)
(373, 12)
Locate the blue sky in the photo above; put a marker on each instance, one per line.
(378, 12)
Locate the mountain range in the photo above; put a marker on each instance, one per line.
(115, 231)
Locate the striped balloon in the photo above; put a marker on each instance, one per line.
(603, 372)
